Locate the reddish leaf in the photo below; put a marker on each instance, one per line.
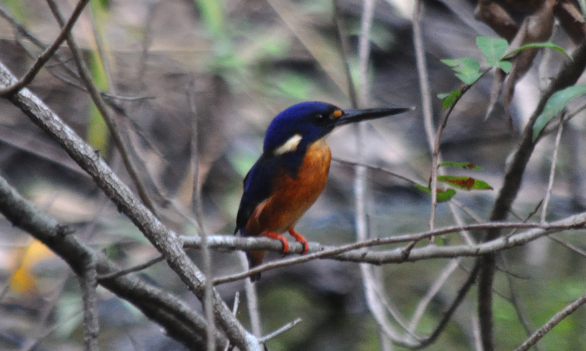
(466, 183)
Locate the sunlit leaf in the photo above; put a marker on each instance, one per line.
(466, 68)
(546, 45)
(441, 195)
(213, 16)
(449, 99)
(23, 280)
(465, 183)
(555, 104)
(493, 49)
(18, 10)
(464, 165)
(505, 66)
(97, 132)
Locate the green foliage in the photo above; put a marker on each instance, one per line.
(459, 182)
(493, 50)
(449, 99)
(466, 68)
(441, 195)
(546, 45)
(495, 55)
(212, 15)
(294, 85)
(464, 165)
(555, 104)
(465, 183)
(97, 132)
(18, 10)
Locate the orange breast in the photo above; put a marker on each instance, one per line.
(293, 197)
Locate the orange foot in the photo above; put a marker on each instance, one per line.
(281, 239)
(301, 239)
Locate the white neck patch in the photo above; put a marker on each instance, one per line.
(289, 145)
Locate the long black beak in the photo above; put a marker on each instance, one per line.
(353, 116)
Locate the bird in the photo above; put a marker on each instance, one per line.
(292, 171)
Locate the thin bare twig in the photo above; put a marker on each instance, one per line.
(45, 56)
(102, 107)
(355, 164)
(433, 290)
(251, 299)
(476, 331)
(376, 307)
(234, 311)
(369, 280)
(427, 107)
(198, 211)
(280, 331)
(568, 245)
(514, 172)
(88, 282)
(161, 237)
(345, 49)
(554, 158)
(138, 267)
(519, 308)
(178, 319)
(552, 322)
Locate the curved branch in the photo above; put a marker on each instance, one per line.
(179, 320)
(164, 240)
(552, 322)
(16, 85)
(511, 185)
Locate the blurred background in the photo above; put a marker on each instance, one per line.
(201, 80)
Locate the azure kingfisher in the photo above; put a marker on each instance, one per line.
(292, 171)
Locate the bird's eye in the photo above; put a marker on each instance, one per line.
(319, 117)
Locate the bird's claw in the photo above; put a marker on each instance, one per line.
(281, 239)
(300, 239)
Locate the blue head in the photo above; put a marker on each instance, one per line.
(297, 127)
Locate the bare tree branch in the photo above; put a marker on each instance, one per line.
(178, 319)
(161, 237)
(16, 86)
(553, 321)
(515, 169)
(88, 282)
(95, 94)
(398, 255)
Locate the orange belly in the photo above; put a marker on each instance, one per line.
(293, 197)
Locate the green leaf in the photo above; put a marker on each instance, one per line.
(505, 66)
(442, 195)
(465, 183)
(213, 16)
(464, 165)
(546, 45)
(555, 104)
(97, 130)
(449, 98)
(466, 68)
(493, 49)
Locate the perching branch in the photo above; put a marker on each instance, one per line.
(348, 252)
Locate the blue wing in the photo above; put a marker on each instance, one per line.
(260, 180)
(258, 187)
